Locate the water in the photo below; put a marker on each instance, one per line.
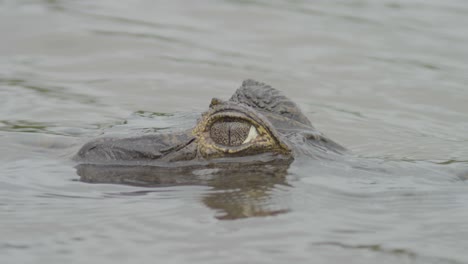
(387, 79)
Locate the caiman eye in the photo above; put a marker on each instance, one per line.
(232, 132)
(236, 131)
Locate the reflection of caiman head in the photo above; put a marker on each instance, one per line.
(236, 191)
(245, 144)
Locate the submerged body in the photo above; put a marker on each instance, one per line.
(241, 148)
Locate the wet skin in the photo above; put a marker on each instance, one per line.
(244, 145)
(258, 124)
(241, 148)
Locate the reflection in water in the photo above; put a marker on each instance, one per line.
(239, 190)
(385, 78)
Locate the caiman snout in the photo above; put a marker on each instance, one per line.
(142, 149)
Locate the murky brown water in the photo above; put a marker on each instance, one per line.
(387, 79)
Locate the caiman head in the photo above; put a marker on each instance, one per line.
(257, 125)
(242, 148)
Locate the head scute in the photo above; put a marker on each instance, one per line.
(215, 101)
(263, 97)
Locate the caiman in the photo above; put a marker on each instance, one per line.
(246, 144)
(258, 124)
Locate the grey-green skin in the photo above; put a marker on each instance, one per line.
(191, 157)
(249, 171)
(292, 135)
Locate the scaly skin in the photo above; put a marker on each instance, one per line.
(284, 134)
(248, 172)
(244, 176)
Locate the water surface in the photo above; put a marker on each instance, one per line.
(387, 79)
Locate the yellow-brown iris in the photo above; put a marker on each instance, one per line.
(232, 132)
(236, 131)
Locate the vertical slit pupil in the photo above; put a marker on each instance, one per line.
(230, 132)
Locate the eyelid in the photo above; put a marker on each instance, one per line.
(267, 138)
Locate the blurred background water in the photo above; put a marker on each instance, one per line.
(387, 79)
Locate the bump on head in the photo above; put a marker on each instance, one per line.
(215, 101)
(261, 96)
